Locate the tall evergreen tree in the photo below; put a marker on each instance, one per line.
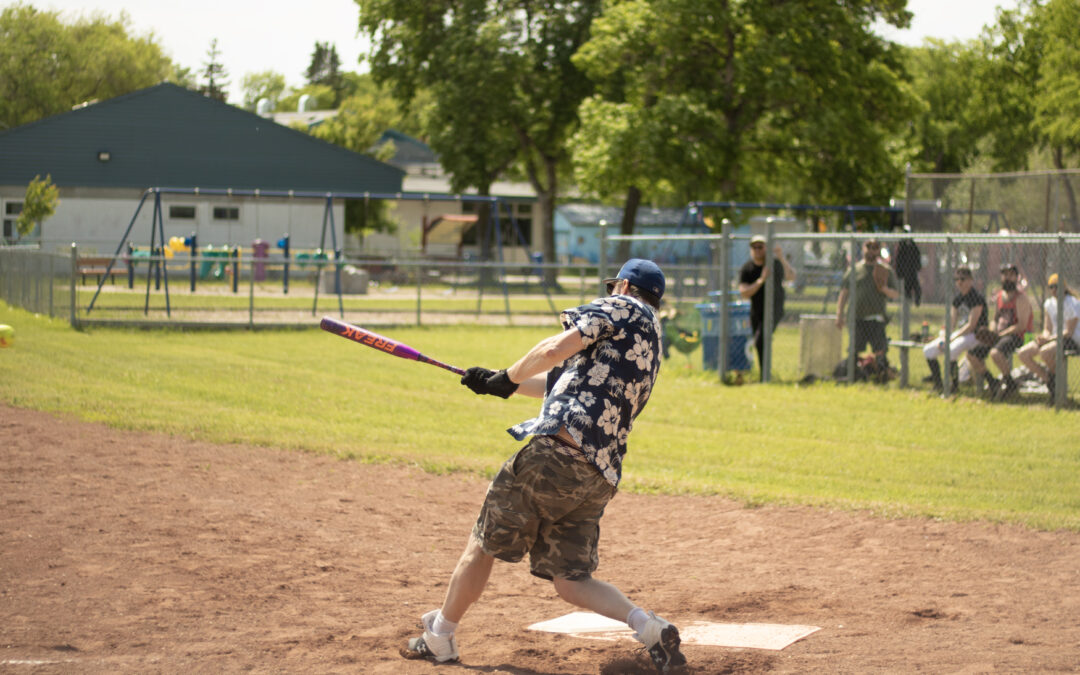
(325, 69)
(215, 77)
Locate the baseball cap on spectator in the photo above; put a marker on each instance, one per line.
(645, 274)
(1052, 281)
(757, 239)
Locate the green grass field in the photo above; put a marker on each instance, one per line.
(893, 452)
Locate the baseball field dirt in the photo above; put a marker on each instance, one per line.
(130, 552)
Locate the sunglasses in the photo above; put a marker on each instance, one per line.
(757, 245)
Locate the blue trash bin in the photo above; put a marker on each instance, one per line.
(739, 334)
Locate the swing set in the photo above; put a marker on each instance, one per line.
(158, 240)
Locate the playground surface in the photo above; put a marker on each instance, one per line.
(131, 552)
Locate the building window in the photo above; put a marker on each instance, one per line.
(226, 213)
(11, 213)
(182, 212)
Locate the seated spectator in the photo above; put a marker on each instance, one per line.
(969, 313)
(1012, 319)
(1045, 344)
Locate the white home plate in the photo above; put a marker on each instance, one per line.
(748, 635)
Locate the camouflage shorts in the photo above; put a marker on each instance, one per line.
(547, 503)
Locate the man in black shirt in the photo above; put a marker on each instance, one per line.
(752, 278)
(969, 314)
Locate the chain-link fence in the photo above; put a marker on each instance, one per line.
(232, 290)
(1028, 202)
(795, 324)
(799, 321)
(36, 281)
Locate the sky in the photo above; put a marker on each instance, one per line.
(255, 35)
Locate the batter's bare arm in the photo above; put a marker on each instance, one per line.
(531, 370)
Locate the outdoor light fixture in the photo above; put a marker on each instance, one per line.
(104, 155)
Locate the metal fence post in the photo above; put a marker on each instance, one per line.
(770, 304)
(71, 281)
(947, 385)
(722, 299)
(251, 296)
(602, 258)
(905, 315)
(1059, 346)
(851, 311)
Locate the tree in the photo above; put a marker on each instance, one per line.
(506, 65)
(94, 58)
(257, 86)
(944, 133)
(215, 77)
(38, 204)
(781, 100)
(325, 69)
(1057, 92)
(1026, 98)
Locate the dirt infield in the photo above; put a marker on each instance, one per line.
(143, 553)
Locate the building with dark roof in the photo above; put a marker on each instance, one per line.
(103, 156)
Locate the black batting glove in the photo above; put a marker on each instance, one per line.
(475, 378)
(499, 384)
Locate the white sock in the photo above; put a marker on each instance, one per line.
(441, 627)
(637, 619)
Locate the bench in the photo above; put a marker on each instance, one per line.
(99, 266)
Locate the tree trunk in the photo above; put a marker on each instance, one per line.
(629, 217)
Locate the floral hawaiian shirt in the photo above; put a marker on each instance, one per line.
(597, 393)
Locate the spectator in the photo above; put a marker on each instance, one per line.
(752, 278)
(1012, 319)
(908, 262)
(1045, 344)
(875, 284)
(969, 313)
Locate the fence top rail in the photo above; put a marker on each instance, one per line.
(798, 207)
(307, 194)
(936, 237)
(1008, 174)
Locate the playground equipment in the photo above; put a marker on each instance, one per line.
(157, 229)
(7, 336)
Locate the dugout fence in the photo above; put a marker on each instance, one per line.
(924, 265)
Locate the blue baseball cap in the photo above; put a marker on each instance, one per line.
(645, 274)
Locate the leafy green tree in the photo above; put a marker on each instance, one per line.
(944, 134)
(38, 204)
(748, 100)
(1057, 97)
(215, 77)
(1010, 55)
(257, 86)
(47, 66)
(506, 65)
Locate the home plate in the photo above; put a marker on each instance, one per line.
(748, 635)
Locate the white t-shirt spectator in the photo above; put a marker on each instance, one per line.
(1072, 311)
